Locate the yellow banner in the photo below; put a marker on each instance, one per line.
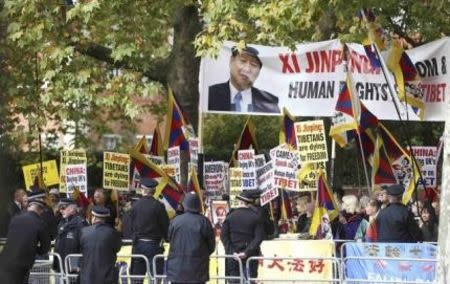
(116, 171)
(49, 172)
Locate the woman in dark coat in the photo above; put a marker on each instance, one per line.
(192, 241)
(429, 226)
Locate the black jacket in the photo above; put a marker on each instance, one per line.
(192, 241)
(242, 231)
(150, 219)
(396, 223)
(27, 237)
(99, 246)
(68, 237)
(219, 99)
(50, 221)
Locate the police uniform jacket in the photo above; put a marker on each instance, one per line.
(27, 236)
(242, 231)
(99, 246)
(396, 223)
(192, 240)
(68, 238)
(50, 220)
(150, 219)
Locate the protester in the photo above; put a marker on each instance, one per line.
(100, 200)
(192, 241)
(69, 233)
(349, 219)
(372, 209)
(396, 223)
(429, 224)
(27, 237)
(242, 234)
(263, 212)
(53, 199)
(383, 197)
(100, 244)
(150, 224)
(305, 209)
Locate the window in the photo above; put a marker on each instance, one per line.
(111, 141)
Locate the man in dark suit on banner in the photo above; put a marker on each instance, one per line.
(238, 94)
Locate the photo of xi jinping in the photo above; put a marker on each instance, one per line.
(238, 94)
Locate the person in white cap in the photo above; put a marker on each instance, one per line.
(27, 237)
(100, 244)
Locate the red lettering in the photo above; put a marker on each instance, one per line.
(285, 61)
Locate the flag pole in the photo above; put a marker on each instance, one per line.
(366, 173)
(397, 109)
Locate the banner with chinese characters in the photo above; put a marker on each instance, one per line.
(403, 269)
(307, 269)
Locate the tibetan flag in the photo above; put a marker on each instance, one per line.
(344, 122)
(286, 206)
(246, 140)
(194, 186)
(405, 169)
(175, 126)
(382, 173)
(407, 79)
(375, 34)
(141, 146)
(287, 131)
(80, 198)
(156, 149)
(169, 194)
(326, 205)
(368, 123)
(145, 168)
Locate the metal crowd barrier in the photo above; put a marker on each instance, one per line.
(228, 279)
(348, 280)
(335, 267)
(42, 271)
(72, 262)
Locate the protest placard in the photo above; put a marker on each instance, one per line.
(76, 177)
(426, 158)
(193, 152)
(285, 165)
(235, 185)
(219, 211)
(49, 173)
(116, 171)
(260, 160)
(70, 157)
(265, 176)
(308, 182)
(214, 178)
(174, 159)
(311, 141)
(246, 160)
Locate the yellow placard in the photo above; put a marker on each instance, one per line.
(311, 141)
(49, 172)
(116, 171)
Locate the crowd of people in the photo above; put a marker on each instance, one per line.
(96, 231)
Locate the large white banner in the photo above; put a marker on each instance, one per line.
(306, 81)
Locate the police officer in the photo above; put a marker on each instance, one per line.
(269, 227)
(150, 224)
(27, 237)
(99, 246)
(191, 243)
(69, 232)
(396, 223)
(242, 234)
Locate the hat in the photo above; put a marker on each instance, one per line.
(250, 51)
(245, 196)
(148, 183)
(191, 202)
(54, 191)
(254, 193)
(100, 211)
(36, 195)
(38, 202)
(395, 190)
(67, 201)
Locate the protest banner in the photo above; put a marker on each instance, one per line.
(193, 153)
(49, 173)
(306, 80)
(426, 158)
(214, 177)
(265, 177)
(397, 271)
(285, 167)
(235, 185)
(311, 141)
(219, 211)
(246, 160)
(116, 171)
(76, 177)
(308, 182)
(174, 159)
(70, 157)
